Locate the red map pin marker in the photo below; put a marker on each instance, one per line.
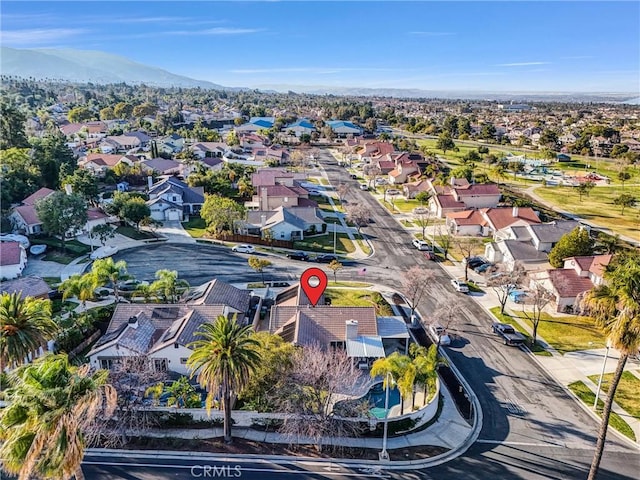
(313, 282)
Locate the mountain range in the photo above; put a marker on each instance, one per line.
(84, 66)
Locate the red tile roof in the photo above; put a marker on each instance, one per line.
(467, 217)
(10, 253)
(447, 201)
(104, 159)
(38, 195)
(595, 264)
(568, 283)
(504, 217)
(478, 189)
(28, 214)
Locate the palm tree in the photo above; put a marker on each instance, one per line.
(106, 270)
(224, 359)
(50, 408)
(402, 371)
(25, 325)
(79, 286)
(426, 361)
(616, 309)
(145, 291)
(168, 285)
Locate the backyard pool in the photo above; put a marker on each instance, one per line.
(376, 398)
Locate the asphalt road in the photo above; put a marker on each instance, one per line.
(532, 429)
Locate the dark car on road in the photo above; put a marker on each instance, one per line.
(298, 256)
(510, 336)
(326, 258)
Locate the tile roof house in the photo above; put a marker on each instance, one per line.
(463, 196)
(486, 221)
(100, 163)
(13, 260)
(161, 166)
(358, 330)
(271, 197)
(411, 189)
(24, 217)
(164, 331)
(565, 284)
(209, 149)
(29, 286)
(511, 251)
(592, 266)
(172, 199)
(264, 177)
(285, 223)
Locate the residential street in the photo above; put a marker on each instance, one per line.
(532, 429)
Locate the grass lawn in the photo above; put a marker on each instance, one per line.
(568, 334)
(585, 394)
(324, 244)
(196, 227)
(131, 232)
(358, 298)
(59, 257)
(323, 203)
(627, 394)
(598, 207)
(364, 246)
(323, 181)
(400, 204)
(506, 318)
(407, 223)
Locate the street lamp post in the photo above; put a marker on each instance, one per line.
(604, 364)
(384, 455)
(335, 228)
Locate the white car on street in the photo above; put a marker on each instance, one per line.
(244, 249)
(439, 334)
(460, 285)
(421, 244)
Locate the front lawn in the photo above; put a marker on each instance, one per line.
(324, 244)
(358, 298)
(131, 232)
(568, 334)
(196, 227)
(585, 394)
(627, 393)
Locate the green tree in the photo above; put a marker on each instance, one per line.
(84, 183)
(12, 134)
(103, 232)
(48, 415)
(259, 264)
(463, 172)
(623, 177)
(625, 200)
(499, 171)
(62, 214)
(80, 114)
(426, 361)
(445, 142)
(107, 114)
(220, 214)
(615, 307)
(182, 394)
(578, 242)
(54, 159)
(619, 150)
(79, 286)
(224, 360)
(334, 266)
(19, 176)
(423, 197)
(232, 139)
(25, 325)
(135, 210)
(585, 188)
(146, 109)
(123, 110)
(168, 285)
(268, 379)
(106, 270)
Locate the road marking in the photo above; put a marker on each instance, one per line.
(522, 444)
(376, 474)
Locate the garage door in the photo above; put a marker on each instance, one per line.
(173, 214)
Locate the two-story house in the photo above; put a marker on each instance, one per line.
(172, 199)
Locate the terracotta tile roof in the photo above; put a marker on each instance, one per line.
(595, 264)
(568, 283)
(478, 189)
(467, 217)
(28, 214)
(306, 325)
(10, 253)
(109, 160)
(96, 214)
(503, 217)
(38, 195)
(447, 201)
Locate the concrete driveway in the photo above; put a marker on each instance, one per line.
(174, 232)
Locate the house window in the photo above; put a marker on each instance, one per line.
(183, 360)
(281, 234)
(160, 364)
(106, 363)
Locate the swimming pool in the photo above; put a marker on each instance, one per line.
(376, 398)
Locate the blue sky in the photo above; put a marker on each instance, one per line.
(474, 46)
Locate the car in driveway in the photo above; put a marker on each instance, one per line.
(473, 262)
(242, 248)
(364, 186)
(326, 258)
(393, 191)
(421, 244)
(460, 285)
(421, 210)
(517, 296)
(484, 267)
(380, 181)
(298, 256)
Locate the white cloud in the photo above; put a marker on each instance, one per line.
(38, 36)
(522, 64)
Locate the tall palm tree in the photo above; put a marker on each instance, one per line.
(616, 309)
(224, 359)
(402, 371)
(426, 361)
(169, 285)
(51, 405)
(106, 270)
(25, 325)
(145, 291)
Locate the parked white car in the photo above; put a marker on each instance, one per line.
(421, 244)
(244, 249)
(439, 333)
(460, 285)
